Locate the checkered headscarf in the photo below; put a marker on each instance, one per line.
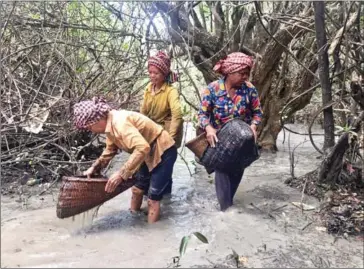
(86, 113)
(162, 61)
(234, 62)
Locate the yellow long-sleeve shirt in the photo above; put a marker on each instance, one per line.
(134, 133)
(164, 108)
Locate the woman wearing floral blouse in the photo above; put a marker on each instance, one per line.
(232, 96)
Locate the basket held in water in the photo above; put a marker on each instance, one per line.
(79, 194)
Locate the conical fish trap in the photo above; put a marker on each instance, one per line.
(79, 194)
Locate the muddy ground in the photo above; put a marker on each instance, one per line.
(264, 228)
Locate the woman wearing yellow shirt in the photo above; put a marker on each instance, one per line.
(161, 100)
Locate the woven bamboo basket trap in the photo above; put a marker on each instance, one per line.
(198, 145)
(79, 194)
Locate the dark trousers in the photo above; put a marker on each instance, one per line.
(226, 185)
(157, 182)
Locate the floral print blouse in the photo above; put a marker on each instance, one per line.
(217, 107)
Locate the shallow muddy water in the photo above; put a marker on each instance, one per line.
(287, 237)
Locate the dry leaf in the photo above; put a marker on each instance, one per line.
(243, 260)
(303, 206)
(321, 229)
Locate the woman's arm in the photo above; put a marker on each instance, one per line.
(109, 152)
(205, 110)
(133, 140)
(257, 112)
(143, 107)
(175, 106)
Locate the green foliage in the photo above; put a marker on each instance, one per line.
(186, 239)
(35, 16)
(194, 121)
(183, 246)
(205, 9)
(345, 129)
(201, 237)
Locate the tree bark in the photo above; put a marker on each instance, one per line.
(206, 50)
(323, 61)
(333, 163)
(357, 93)
(277, 98)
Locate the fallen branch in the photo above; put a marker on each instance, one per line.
(262, 211)
(45, 160)
(308, 224)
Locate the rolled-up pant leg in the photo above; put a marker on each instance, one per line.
(161, 176)
(155, 183)
(143, 178)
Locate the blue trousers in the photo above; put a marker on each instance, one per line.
(226, 185)
(157, 182)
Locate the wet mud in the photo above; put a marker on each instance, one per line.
(262, 229)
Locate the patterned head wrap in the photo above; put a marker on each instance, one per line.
(88, 112)
(162, 61)
(234, 62)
